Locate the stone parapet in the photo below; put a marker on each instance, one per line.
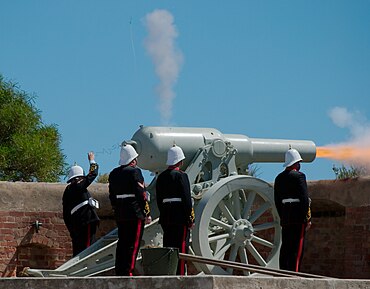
(169, 282)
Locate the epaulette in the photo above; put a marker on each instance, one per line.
(93, 167)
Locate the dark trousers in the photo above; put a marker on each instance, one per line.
(130, 233)
(177, 236)
(292, 245)
(83, 237)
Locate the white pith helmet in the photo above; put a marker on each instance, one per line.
(75, 171)
(128, 154)
(291, 157)
(174, 155)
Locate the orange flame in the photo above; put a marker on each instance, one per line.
(348, 153)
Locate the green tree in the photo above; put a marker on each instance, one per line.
(343, 172)
(29, 149)
(103, 178)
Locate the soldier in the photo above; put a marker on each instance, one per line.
(175, 205)
(79, 212)
(293, 205)
(127, 194)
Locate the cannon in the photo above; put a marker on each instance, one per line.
(236, 219)
(235, 214)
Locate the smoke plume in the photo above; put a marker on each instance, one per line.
(167, 59)
(355, 151)
(355, 122)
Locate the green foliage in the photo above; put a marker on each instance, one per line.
(348, 173)
(253, 170)
(29, 150)
(102, 178)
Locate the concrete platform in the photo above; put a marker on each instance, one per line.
(190, 282)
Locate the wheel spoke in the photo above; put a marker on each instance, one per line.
(243, 255)
(229, 270)
(256, 255)
(265, 226)
(236, 205)
(258, 213)
(225, 210)
(218, 238)
(263, 242)
(233, 253)
(216, 222)
(248, 205)
(220, 254)
(232, 257)
(244, 259)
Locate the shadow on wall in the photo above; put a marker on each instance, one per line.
(327, 208)
(35, 251)
(325, 244)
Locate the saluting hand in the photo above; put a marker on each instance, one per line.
(90, 156)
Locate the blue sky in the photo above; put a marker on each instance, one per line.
(265, 69)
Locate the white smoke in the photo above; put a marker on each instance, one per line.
(355, 122)
(167, 59)
(356, 150)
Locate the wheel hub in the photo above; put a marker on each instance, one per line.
(242, 231)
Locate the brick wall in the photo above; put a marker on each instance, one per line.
(325, 246)
(19, 240)
(337, 245)
(21, 245)
(357, 256)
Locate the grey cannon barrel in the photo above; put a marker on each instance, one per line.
(152, 144)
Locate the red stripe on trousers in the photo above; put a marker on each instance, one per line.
(300, 248)
(183, 250)
(136, 246)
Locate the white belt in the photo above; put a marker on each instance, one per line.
(124, 196)
(284, 201)
(80, 205)
(92, 202)
(169, 200)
